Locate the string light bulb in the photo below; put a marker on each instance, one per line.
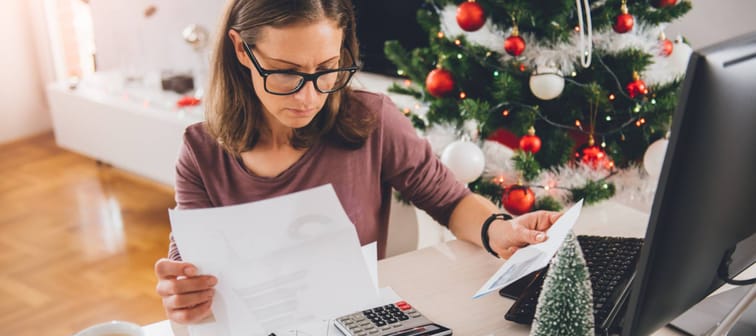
(462, 95)
(440, 34)
(505, 112)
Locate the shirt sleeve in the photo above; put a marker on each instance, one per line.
(410, 166)
(190, 189)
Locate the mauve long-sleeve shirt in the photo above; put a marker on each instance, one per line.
(393, 156)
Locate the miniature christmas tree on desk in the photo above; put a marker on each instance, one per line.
(565, 306)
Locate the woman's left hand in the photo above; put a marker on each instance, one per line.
(508, 236)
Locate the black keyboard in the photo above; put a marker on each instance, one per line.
(611, 263)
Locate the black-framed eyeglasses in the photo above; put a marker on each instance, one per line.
(286, 82)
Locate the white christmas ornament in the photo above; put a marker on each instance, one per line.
(547, 83)
(654, 157)
(464, 159)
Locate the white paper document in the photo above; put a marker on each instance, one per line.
(281, 262)
(533, 257)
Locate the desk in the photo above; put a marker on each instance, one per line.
(452, 272)
(440, 280)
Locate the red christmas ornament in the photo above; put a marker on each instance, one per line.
(624, 22)
(514, 44)
(518, 199)
(594, 156)
(530, 142)
(470, 16)
(666, 45)
(439, 82)
(187, 101)
(663, 3)
(637, 87)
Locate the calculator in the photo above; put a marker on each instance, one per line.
(396, 319)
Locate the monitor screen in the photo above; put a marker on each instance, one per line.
(705, 203)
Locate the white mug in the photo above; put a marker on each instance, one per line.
(112, 328)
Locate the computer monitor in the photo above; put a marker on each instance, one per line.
(705, 204)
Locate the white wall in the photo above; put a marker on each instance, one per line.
(125, 37)
(712, 21)
(23, 110)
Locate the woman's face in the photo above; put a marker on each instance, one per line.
(308, 48)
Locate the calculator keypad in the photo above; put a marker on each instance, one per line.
(381, 320)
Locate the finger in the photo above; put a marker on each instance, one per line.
(531, 236)
(554, 216)
(170, 269)
(190, 315)
(544, 220)
(190, 300)
(508, 252)
(200, 283)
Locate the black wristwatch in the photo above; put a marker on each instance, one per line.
(484, 230)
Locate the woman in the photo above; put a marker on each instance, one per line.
(281, 119)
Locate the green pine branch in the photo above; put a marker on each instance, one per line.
(593, 192)
(547, 203)
(526, 164)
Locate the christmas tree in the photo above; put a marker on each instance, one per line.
(545, 102)
(565, 306)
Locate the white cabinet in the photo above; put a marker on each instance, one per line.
(136, 129)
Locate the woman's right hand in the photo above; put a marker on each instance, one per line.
(186, 295)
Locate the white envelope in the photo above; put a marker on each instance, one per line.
(533, 257)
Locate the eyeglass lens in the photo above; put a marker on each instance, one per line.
(326, 82)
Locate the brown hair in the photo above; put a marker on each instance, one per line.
(233, 110)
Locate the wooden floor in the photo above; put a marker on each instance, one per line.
(78, 241)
